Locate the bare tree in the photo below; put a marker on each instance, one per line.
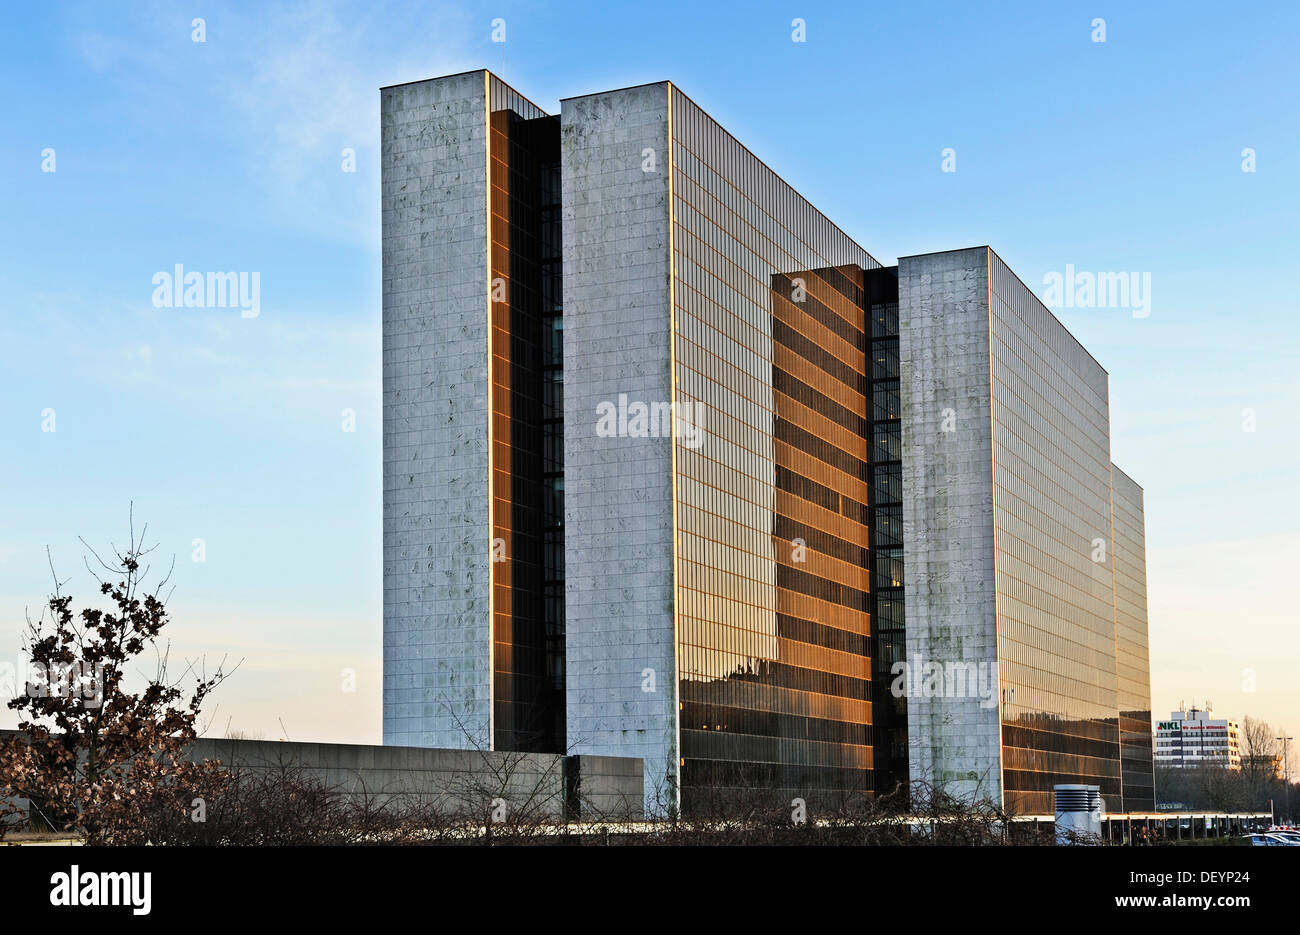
(1259, 757)
(93, 754)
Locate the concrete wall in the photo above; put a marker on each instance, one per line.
(606, 786)
(437, 538)
(619, 629)
(454, 780)
(943, 307)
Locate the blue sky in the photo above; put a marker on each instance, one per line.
(226, 155)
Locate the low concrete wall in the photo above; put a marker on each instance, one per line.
(537, 784)
(606, 786)
(450, 780)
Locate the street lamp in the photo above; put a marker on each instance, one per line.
(1286, 775)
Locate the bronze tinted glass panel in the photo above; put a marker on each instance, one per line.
(527, 406)
(774, 583)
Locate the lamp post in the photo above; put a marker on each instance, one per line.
(1286, 775)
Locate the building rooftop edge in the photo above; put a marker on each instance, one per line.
(1011, 270)
(472, 71)
(853, 240)
(1128, 477)
(455, 74)
(630, 87)
(668, 83)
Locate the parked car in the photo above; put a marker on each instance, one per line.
(1274, 839)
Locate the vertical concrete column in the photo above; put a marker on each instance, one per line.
(619, 526)
(943, 306)
(437, 548)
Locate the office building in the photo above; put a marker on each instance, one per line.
(1193, 738)
(675, 469)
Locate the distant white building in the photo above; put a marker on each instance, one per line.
(1193, 738)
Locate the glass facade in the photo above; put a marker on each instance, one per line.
(773, 508)
(1054, 561)
(887, 607)
(526, 425)
(1133, 667)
